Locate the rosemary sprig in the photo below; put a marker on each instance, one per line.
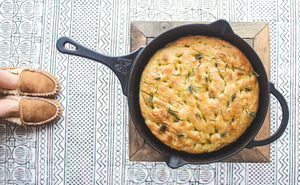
(174, 114)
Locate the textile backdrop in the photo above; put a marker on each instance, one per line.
(89, 144)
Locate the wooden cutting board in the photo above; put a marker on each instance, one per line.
(256, 34)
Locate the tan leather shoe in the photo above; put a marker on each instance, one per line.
(35, 111)
(33, 82)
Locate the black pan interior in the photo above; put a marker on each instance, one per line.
(169, 36)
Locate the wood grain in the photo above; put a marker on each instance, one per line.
(255, 34)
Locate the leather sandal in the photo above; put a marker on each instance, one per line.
(33, 82)
(35, 111)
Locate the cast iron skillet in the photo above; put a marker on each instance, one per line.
(129, 68)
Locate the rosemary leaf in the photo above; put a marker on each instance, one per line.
(198, 66)
(223, 133)
(255, 74)
(157, 78)
(238, 68)
(247, 88)
(252, 114)
(227, 46)
(198, 56)
(179, 102)
(176, 119)
(190, 89)
(179, 55)
(233, 96)
(197, 115)
(172, 112)
(180, 134)
(147, 93)
(150, 100)
(162, 128)
(220, 146)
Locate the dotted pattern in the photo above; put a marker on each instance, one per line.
(81, 99)
(269, 10)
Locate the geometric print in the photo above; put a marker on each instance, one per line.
(89, 143)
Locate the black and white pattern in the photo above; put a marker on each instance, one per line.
(89, 144)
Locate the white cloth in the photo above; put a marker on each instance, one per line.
(89, 144)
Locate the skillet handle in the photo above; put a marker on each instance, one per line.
(120, 65)
(284, 121)
(222, 27)
(174, 161)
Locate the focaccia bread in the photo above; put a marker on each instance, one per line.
(198, 94)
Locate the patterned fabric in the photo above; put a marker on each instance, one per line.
(89, 144)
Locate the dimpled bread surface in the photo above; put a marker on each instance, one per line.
(198, 94)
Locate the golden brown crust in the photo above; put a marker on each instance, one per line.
(198, 94)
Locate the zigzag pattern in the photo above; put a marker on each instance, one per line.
(105, 22)
(240, 13)
(59, 134)
(283, 147)
(102, 134)
(238, 173)
(102, 124)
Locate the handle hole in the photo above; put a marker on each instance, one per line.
(70, 46)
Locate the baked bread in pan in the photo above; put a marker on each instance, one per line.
(198, 94)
